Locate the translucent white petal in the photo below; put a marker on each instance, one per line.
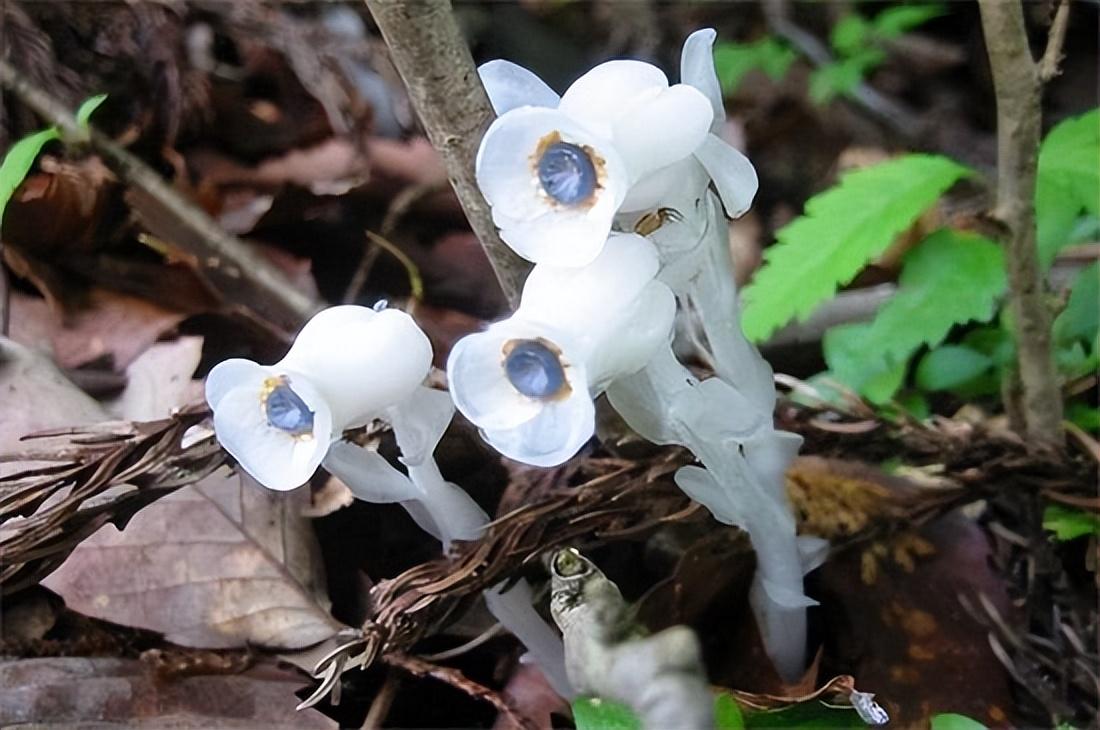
(273, 457)
(662, 128)
(787, 597)
(813, 551)
(585, 301)
(454, 512)
(423, 518)
(368, 475)
(645, 326)
(734, 176)
(770, 453)
(419, 422)
(677, 186)
(478, 385)
(362, 361)
(697, 69)
(515, 610)
(510, 86)
(535, 226)
(600, 97)
(553, 436)
(698, 484)
(230, 374)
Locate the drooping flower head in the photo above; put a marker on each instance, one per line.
(346, 367)
(528, 382)
(557, 171)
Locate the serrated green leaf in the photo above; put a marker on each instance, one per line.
(90, 105)
(18, 162)
(1080, 320)
(893, 22)
(1068, 182)
(593, 713)
(950, 366)
(727, 713)
(873, 375)
(841, 230)
(1069, 524)
(951, 721)
(849, 35)
(733, 60)
(950, 278)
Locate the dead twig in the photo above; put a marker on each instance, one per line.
(420, 668)
(431, 55)
(236, 270)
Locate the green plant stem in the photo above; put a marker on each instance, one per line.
(434, 61)
(1018, 86)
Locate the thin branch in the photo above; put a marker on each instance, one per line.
(1052, 56)
(1017, 84)
(242, 273)
(433, 59)
(887, 111)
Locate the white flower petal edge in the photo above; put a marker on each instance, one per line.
(599, 97)
(230, 374)
(419, 422)
(510, 86)
(361, 361)
(659, 128)
(733, 175)
(275, 458)
(537, 227)
(553, 436)
(589, 302)
(697, 69)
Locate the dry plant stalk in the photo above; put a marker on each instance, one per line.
(434, 60)
(105, 474)
(1017, 81)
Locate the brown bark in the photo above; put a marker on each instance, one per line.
(434, 61)
(1018, 87)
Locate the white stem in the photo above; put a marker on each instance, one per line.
(744, 456)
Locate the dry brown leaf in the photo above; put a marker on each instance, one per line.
(219, 564)
(112, 324)
(159, 381)
(91, 691)
(36, 396)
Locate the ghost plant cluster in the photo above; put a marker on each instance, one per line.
(619, 192)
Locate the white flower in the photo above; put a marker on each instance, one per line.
(556, 171)
(528, 382)
(347, 366)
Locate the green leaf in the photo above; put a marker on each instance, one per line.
(841, 230)
(732, 61)
(593, 713)
(807, 716)
(90, 105)
(1068, 182)
(843, 76)
(950, 366)
(727, 713)
(849, 35)
(1086, 417)
(875, 376)
(950, 278)
(893, 22)
(17, 163)
(951, 721)
(1080, 320)
(1069, 524)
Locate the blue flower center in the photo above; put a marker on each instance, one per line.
(286, 411)
(566, 173)
(534, 369)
